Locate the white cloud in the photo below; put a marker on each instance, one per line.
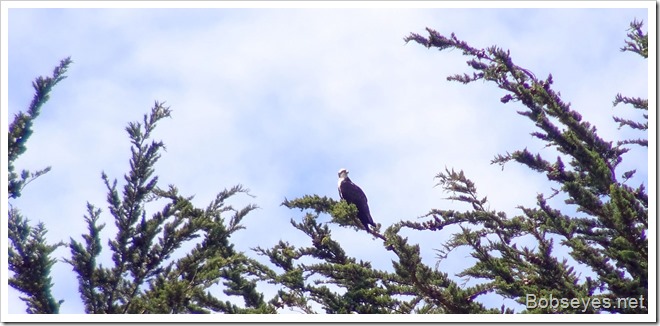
(279, 100)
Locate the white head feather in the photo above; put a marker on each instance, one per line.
(343, 174)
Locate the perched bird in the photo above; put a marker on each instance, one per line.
(351, 193)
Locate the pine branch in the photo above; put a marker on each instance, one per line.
(617, 225)
(20, 129)
(363, 289)
(149, 275)
(29, 261)
(29, 253)
(638, 41)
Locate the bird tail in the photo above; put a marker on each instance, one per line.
(367, 220)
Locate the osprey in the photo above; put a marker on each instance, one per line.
(351, 193)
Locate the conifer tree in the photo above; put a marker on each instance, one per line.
(29, 253)
(608, 236)
(149, 273)
(412, 287)
(152, 272)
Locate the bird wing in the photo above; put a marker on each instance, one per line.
(353, 194)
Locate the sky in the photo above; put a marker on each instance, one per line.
(280, 99)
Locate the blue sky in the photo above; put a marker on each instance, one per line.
(280, 99)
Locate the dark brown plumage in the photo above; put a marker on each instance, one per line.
(351, 193)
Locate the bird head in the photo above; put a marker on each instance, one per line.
(343, 173)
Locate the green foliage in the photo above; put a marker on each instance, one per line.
(610, 240)
(608, 237)
(168, 261)
(29, 254)
(146, 277)
(360, 288)
(30, 261)
(637, 43)
(20, 129)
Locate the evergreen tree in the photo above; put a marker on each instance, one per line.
(148, 274)
(30, 258)
(608, 236)
(412, 287)
(152, 272)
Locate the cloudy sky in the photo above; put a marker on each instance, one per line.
(279, 100)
